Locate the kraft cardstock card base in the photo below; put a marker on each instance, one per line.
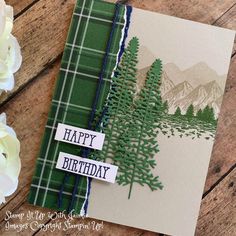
(137, 102)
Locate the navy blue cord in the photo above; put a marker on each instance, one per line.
(105, 110)
(65, 179)
(85, 151)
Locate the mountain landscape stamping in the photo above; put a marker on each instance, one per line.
(209, 94)
(178, 93)
(199, 86)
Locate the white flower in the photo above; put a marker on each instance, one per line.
(6, 19)
(10, 55)
(10, 164)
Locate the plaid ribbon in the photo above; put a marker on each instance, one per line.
(73, 97)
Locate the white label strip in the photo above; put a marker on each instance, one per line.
(83, 166)
(80, 137)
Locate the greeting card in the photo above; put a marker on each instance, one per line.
(133, 118)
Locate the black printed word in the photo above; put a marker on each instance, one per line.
(80, 138)
(85, 168)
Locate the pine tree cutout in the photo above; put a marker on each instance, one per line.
(138, 146)
(120, 102)
(131, 122)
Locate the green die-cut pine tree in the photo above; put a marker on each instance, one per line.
(130, 124)
(120, 102)
(138, 146)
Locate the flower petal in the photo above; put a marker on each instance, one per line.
(3, 162)
(6, 20)
(2, 198)
(8, 83)
(2, 16)
(15, 54)
(8, 186)
(11, 148)
(10, 163)
(3, 118)
(3, 67)
(9, 12)
(10, 62)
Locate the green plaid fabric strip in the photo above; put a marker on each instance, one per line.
(72, 101)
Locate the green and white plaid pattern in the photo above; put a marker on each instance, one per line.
(74, 94)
